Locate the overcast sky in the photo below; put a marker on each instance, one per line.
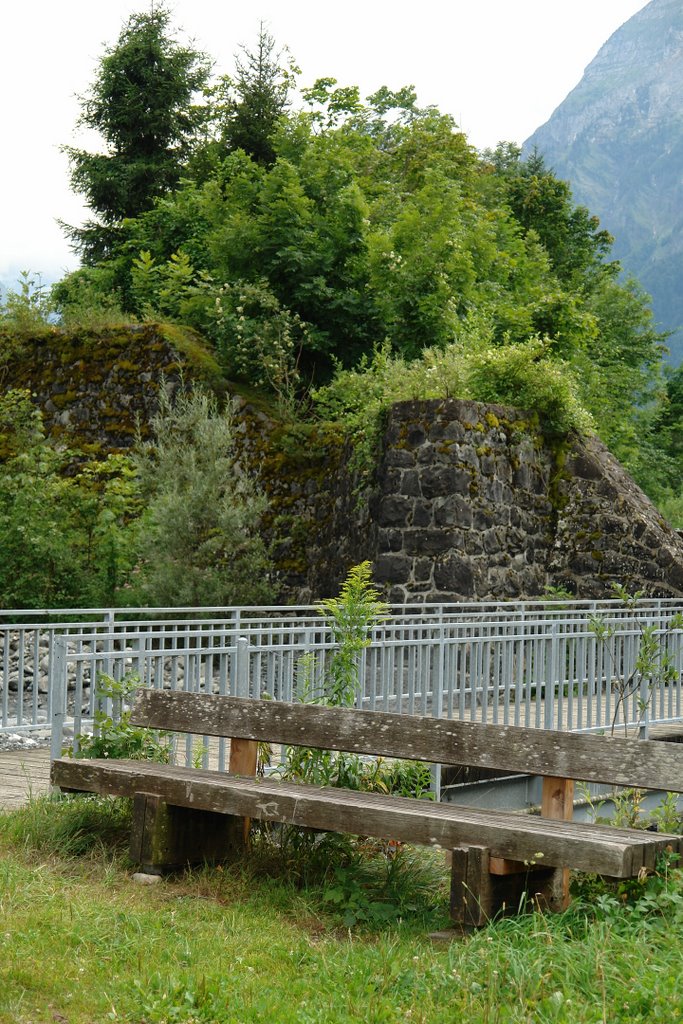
(500, 67)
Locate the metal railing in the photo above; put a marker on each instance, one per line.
(511, 666)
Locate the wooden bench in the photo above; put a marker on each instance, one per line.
(189, 815)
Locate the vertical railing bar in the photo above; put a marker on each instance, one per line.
(485, 678)
(571, 677)
(551, 677)
(591, 659)
(20, 679)
(58, 700)
(411, 679)
(36, 675)
(538, 646)
(5, 676)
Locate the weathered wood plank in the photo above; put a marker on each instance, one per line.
(593, 848)
(624, 762)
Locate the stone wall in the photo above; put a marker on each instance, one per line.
(317, 521)
(96, 389)
(474, 502)
(468, 500)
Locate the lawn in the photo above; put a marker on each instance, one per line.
(82, 943)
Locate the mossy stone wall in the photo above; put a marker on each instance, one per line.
(317, 521)
(96, 389)
(468, 501)
(474, 501)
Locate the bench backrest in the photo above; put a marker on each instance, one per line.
(609, 759)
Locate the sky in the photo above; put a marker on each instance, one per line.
(500, 67)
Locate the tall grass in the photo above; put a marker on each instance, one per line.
(81, 943)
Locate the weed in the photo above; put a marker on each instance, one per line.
(114, 736)
(666, 815)
(653, 665)
(657, 892)
(350, 618)
(628, 811)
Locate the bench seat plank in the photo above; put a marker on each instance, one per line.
(646, 764)
(592, 848)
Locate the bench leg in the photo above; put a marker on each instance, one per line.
(557, 802)
(484, 887)
(165, 837)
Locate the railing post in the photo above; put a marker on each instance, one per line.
(58, 698)
(242, 667)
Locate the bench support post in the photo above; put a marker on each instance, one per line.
(243, 761)
(557, 802)
(478, 895)
(483, 886)
(165, 837)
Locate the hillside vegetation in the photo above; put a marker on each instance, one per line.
(336, 255)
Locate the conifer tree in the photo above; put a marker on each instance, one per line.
(142, 103)
(261, 86)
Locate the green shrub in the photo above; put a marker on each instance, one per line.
(523, 375)
(113, 735)
(199, 542)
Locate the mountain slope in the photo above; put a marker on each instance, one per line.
(618, 138)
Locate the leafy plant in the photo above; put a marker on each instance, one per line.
(347, 894)
(653, 666)
(350, 618)
(114, 736)
(628, 811)
(651, 894)
(27, 309)
(666, 815)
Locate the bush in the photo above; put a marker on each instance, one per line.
(114, 736)
(199, 542)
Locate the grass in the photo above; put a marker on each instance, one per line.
(80, 943)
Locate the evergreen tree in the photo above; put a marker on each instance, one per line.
(142, 104)
(199, 542)
(261, 86)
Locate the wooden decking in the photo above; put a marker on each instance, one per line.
(23, 774)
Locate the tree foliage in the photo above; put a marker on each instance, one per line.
(199, 542)
(142, 105)
(258, 96)
(301, 241)
(67, 535)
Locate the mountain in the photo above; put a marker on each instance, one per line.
(618, 139)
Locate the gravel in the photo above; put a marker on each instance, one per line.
(23, 740)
